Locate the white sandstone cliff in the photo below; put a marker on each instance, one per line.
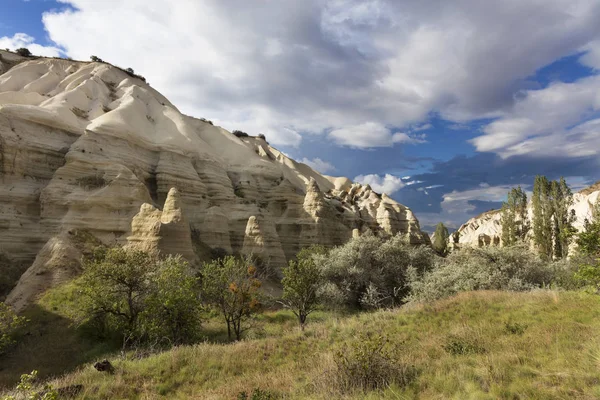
(85, 147)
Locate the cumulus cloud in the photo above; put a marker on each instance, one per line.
(551, 121)
(371, 134)
(289, 68)
(388, 184)
(318, 165)
(23, 40)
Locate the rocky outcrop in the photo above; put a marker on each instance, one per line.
(85, 146)
(486, 229)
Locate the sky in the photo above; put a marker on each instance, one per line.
(444, 105)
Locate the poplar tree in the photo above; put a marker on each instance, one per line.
(564, 216)
(440, 241)
(515, 223)
(542, 216)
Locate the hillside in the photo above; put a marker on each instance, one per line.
(485, 345)
(88, 150)
(486, 229)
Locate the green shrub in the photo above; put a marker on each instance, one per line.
(231, 285)
(9, 324)
(369, 363)
(23, 52)
(138, 297)
(240, 133)
(491, 268)
(370, 272)
(26, 389)
(302, 282)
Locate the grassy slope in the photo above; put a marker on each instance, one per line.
(557, 355)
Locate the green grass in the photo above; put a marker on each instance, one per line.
(480, 345)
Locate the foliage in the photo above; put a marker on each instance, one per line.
(552, 217)
(26, 389)
(515, 224)
(301, 281)
(232, 286)
(456, 236)
(369, 272)
(240, 133)
(96, 59)
(173, 305)
(440, 240)
(23, 52)
(207, 121)
(588, 241)
(140, 297)
(9, 324)
(459, 345)
(262, 136)
(490, 268)
(368, 363)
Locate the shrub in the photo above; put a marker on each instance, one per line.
(368, 363)
(91, 182)
(491, 268)
(257, 394)
(9, 324)
(96, 59)
(139, 297)
(26, 389)
(369, 272)
(206, 120)
(301, 281)
(262, 136)
(23, 52)
(231, 285)
(459, 345)
(240, 133)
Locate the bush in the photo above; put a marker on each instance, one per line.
(302, 282)
(261, 136)
(9, 324)
(26, 389)
(240, 134)
(139, 297)
(206, 120)
(23, 52)
(96, 59)
(368, 363)
(231, 285)
(490, 268)
(369, 272)
(257, 394)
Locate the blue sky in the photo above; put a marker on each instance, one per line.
(443, 105)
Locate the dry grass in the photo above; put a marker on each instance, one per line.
(555, 356)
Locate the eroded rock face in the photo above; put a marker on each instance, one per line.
(486, 229)
(85, 146)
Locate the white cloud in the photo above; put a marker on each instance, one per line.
(23, 40)
(548, 122)
(318, 165)
(331, 66)
(371, 134)
(388, 184)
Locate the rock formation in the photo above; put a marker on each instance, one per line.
(486, 229)
(87, 147)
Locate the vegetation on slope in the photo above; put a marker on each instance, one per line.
(542, 344)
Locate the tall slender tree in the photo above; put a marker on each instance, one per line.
(563, 217)
(440, 241)
(515, 223)
(542, 216)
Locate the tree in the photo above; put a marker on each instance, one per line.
(130, 71)
(23, 52)
(115, 285)
(232, 286)
(9, 324)
(301, 281)
(515, 223)
(173, 307)
(456, 236)
(440, 240)
(141, 297)
(552, 217)
(96, 59)
(588, 241)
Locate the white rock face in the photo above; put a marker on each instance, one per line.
(486, 229)
(84, 146)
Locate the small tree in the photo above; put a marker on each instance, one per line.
(172, 307)
(440, 241)
(23, 52)
(232, 286)
(515, 223)
(588, 241)
(130, 71)
(301, 281)
(96, 59)
(9, 323)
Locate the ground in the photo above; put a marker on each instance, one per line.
(478, 345)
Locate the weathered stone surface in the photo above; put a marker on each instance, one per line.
(84, 146)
